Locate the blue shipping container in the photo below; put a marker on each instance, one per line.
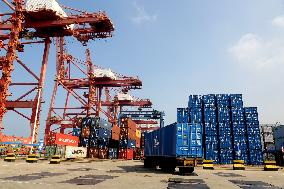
(209, 101)
(195, 115)
(226, 156)
(175, 140)
(182, 115)
(195, 101)
(223, 100)
(236, 100)
(127, 143)
(255, 157)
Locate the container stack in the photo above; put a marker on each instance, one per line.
(225, 131)
(194, 109)
(127, 142)
(253, 136)
(239, 129)
(95, 135)
(195, 115)
(210, 128)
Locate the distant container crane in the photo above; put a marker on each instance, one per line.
(22, 27)
(92, 92)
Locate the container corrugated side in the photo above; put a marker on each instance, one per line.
(175, 140)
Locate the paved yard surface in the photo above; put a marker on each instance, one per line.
(129, 174)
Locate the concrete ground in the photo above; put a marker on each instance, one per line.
(129, 174)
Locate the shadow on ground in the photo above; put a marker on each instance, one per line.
(89, 179)
(33, 176)
(253, 184)
(179, 183)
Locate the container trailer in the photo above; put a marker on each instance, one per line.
(177, 145)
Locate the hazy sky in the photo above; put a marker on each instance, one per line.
(186, 47)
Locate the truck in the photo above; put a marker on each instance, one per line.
(178, 145)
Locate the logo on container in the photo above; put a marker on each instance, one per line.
(66, 140)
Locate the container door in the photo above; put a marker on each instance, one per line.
(182, 139)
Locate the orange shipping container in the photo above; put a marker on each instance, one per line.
(115, 133)
(128, 123)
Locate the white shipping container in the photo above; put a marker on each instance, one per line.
(75, 152)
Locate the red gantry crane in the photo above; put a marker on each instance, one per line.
(22, 27)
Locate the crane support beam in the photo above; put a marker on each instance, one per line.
(63, 33)
(19, 104)
(96, 19)
(83, 83)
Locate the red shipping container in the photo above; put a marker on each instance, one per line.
(50, 140)
(93, 153)
(66, 140)
(126, 154)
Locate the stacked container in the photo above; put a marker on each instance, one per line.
(253, 136)
(239, 129)
(77, 129)
(225, 131)
(195, 118)
(182, 115)
(95, 134)
(127, 141)
(210, 128)
(112, 153)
